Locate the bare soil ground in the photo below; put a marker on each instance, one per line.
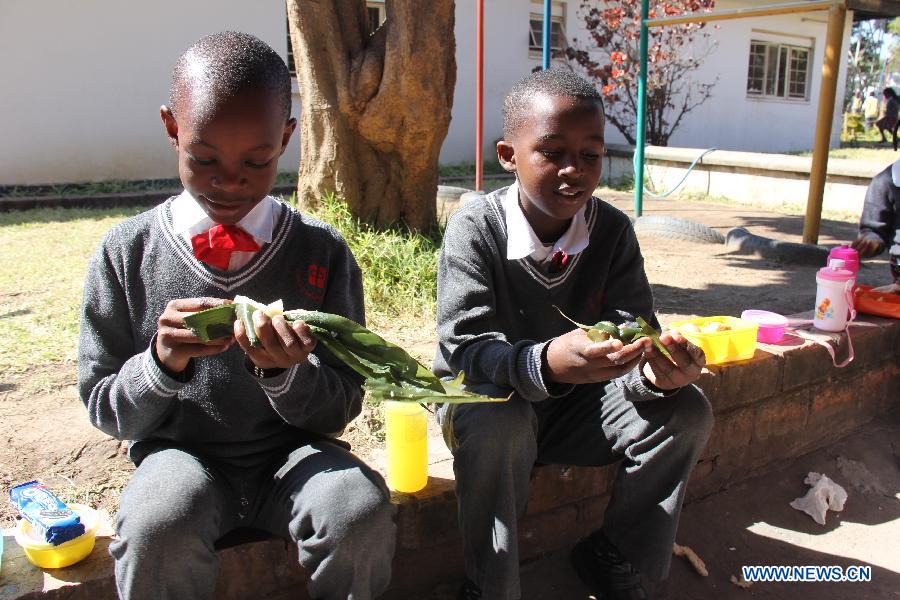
(46, 434)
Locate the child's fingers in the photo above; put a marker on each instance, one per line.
(305, 335)
(596, 350)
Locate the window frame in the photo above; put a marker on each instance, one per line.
(557, 28)
(788, 82)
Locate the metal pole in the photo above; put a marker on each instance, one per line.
(545, 63)
(641, 125)
(742, 13)
(479, 95)
(834, 37)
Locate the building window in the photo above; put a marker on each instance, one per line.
(558, 41)
(374, 11)
(778, 71)
(292, 68)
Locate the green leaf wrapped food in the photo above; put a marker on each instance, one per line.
(390, 372)
(212, 323)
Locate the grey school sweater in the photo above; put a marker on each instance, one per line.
(494, 316)
(221, 411)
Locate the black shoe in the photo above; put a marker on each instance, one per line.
(469, 591)
(606, 572)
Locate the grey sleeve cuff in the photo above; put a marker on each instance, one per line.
(638, 388)
(154, 379)
(530, 378)
(280, 384)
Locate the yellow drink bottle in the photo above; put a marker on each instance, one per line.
(407, 446)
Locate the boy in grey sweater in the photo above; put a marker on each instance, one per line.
(225, 435)
(507, 260)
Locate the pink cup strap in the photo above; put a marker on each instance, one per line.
(800, 333)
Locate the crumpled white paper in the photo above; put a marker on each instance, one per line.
(822, 496)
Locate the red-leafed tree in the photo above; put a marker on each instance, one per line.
(610, 57)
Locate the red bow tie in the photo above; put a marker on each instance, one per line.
(558, 261)
(214, 247)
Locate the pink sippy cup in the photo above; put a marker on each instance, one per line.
(848, 255)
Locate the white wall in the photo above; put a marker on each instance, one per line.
(81, 99)
(729, 119)
(83, 82)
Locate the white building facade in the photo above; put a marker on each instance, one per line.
(83, 82)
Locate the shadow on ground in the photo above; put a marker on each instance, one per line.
(752, 524)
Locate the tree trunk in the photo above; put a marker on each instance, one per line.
(375, 108)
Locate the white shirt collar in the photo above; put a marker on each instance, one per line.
(188, 218)
(522, 241)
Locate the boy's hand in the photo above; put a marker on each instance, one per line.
(176, 345)
(867, 244)
(283, 344)
(689, 361)
(574, 358)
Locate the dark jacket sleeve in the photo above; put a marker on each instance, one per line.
(879, 214)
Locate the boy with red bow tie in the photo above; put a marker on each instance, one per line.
(227, 435)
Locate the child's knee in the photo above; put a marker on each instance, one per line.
(693, 416)
(494, 430)
(162, 501)
(350, 500)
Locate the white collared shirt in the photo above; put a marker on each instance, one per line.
(189, 219)
(522, 241)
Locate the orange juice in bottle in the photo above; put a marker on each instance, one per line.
(407, 446)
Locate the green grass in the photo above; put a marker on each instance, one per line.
(462, 169)
(399, 266)
(883, 155)
(45, 255)
(112, 186)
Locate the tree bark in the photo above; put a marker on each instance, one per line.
(375, 108)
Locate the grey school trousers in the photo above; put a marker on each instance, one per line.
(495, 447)
(321, 496)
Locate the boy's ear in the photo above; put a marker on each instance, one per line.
(506, 154)
(170, 124)
(286, 135)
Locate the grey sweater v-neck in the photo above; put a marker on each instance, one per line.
(494, 316)
(222, 411)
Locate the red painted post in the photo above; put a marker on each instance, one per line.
(479, 95)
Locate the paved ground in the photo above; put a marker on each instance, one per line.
(752, 524)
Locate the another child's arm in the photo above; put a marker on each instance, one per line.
(875, 222)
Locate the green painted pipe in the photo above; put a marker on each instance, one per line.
(641, 115)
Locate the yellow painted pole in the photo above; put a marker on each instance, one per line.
(743, 13)
(834, 37)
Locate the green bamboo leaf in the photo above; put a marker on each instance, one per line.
(653, 334)
(212, 323)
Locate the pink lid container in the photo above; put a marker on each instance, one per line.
(832, 274)
(771, 325)
(846, 254)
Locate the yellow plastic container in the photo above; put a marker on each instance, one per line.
(737, 343)
(406, 441)
(48, 556)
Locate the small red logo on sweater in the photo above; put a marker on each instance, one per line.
(312, 282)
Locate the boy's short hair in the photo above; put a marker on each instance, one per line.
(218, 67)
(552, 82)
